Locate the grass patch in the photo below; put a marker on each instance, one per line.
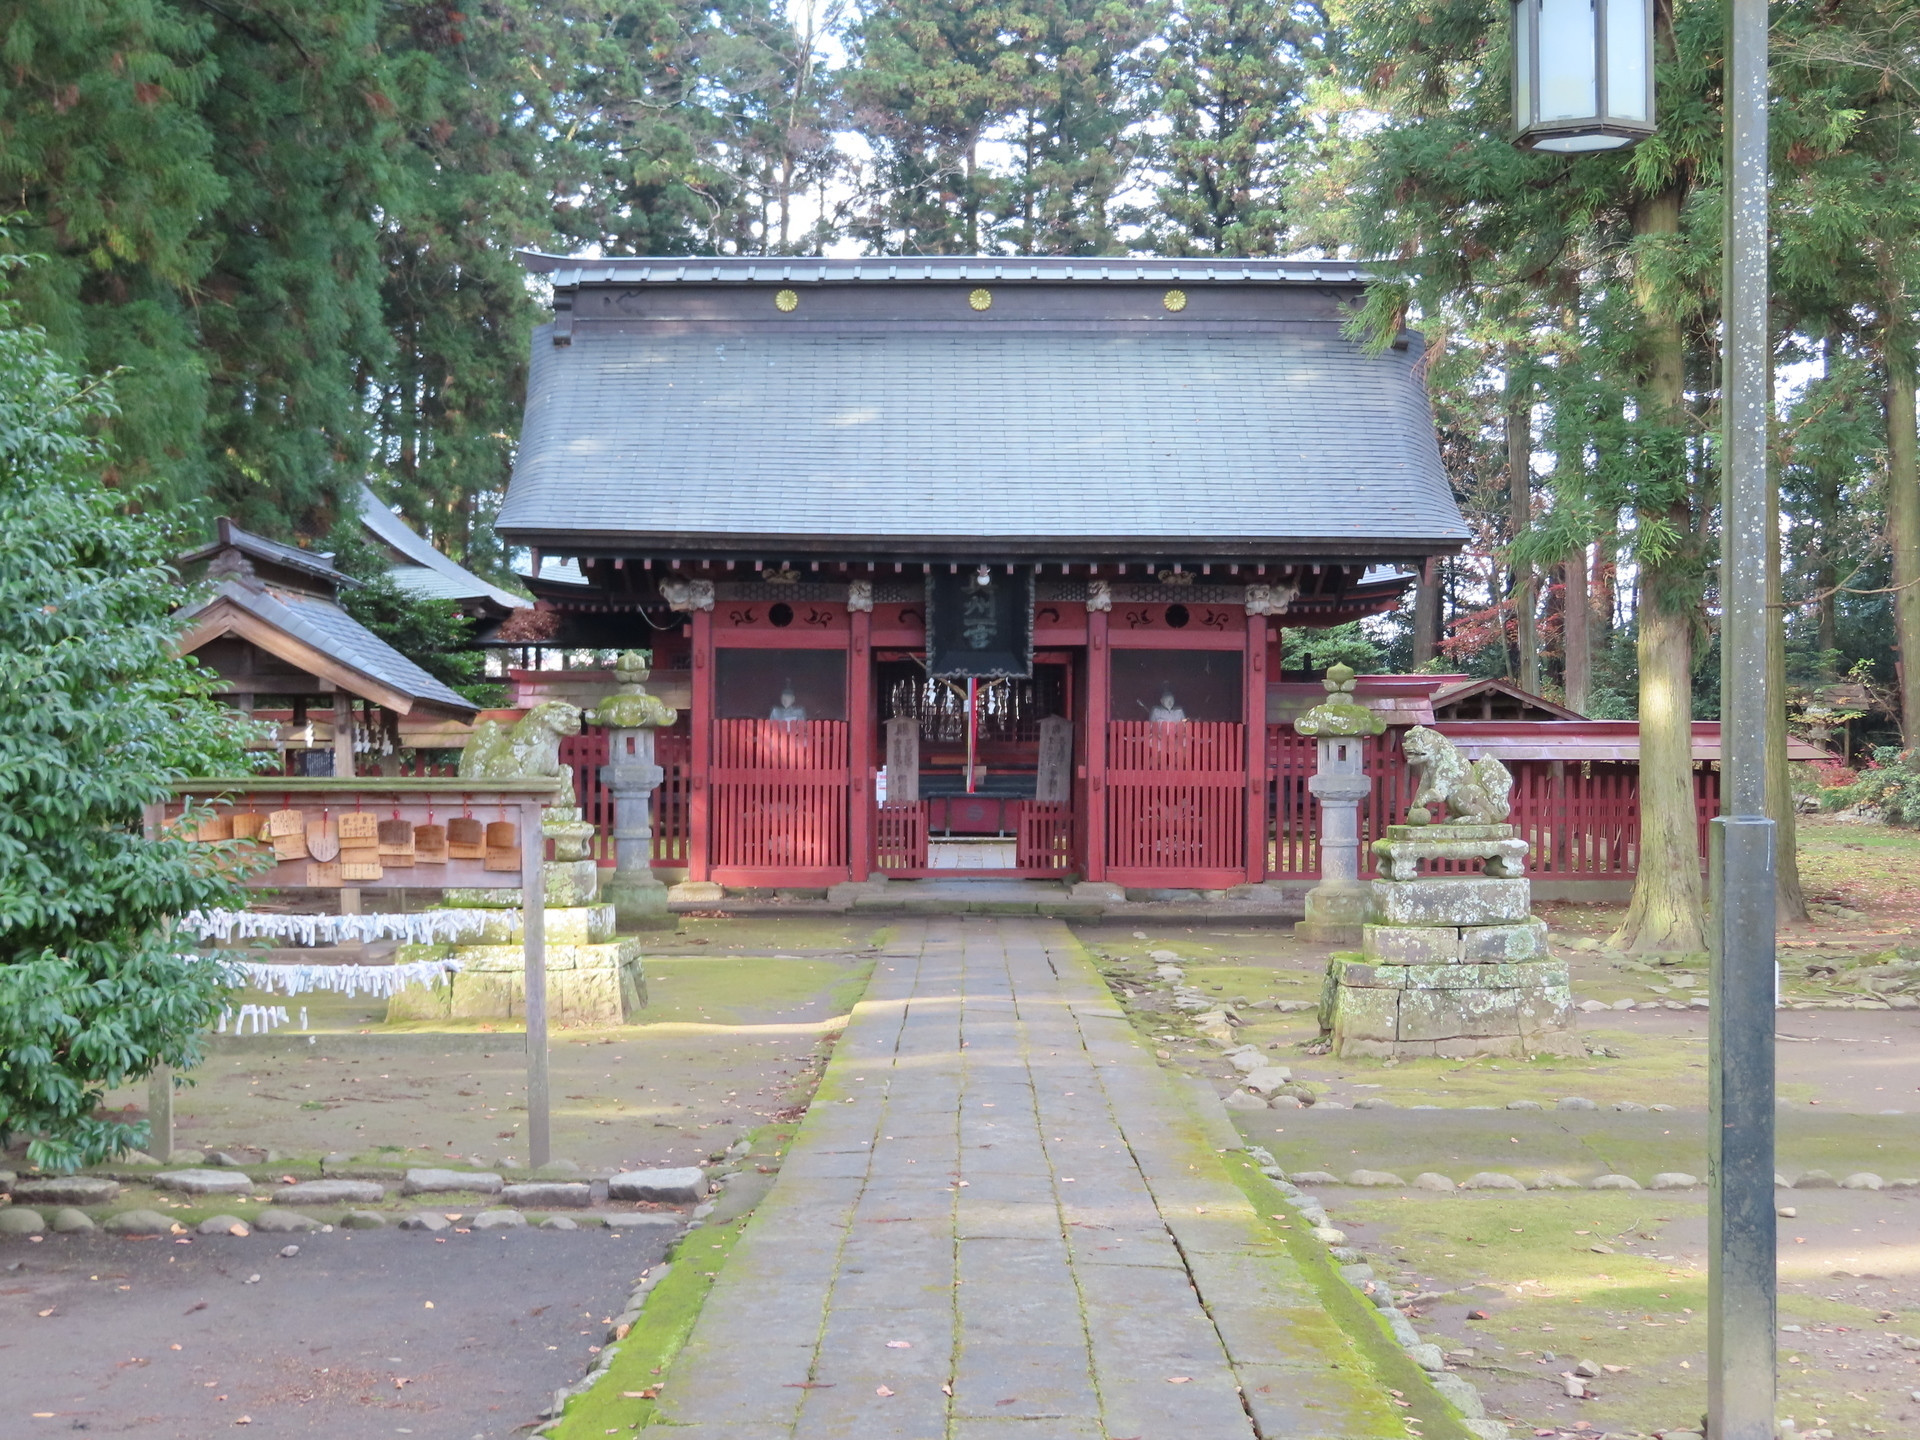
(623, 1397)
(1390, 1368)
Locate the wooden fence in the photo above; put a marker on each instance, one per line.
(779, 795)
(1581, 817)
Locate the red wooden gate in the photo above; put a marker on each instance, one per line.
(1176, 803)
(779, 802)
(1046, 836)
(900, 837)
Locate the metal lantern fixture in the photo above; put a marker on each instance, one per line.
(1582, 74)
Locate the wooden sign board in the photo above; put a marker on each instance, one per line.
(350, 811)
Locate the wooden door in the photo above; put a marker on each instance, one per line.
(778, 807)
(1176, 803)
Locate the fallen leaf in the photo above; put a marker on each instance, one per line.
(400, 1382)
(881, 1390)
(238, 1228)
(429, 1304)
(1179, 1379)
(1476, 1314)
(45, 1313)
(197, 1305)
(946, 1390)
(899, 1344)
(243, 1420)
(1614, 1369)
(646, 1394)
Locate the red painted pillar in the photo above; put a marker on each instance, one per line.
(860, 718)
(1099, 703)
(699, 828)
(1254, 678)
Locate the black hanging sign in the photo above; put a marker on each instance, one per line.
(976, 628)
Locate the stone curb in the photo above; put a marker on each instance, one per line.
(1551, 1180)
(1460, 1394)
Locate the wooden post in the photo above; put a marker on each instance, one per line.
(1254, 687)
(533, 932)
(160, 1112)
(699, 829)
(1099, 703)
(342, 734)
(860, 714)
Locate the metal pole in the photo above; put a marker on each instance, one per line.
(533, 936)
(1741, 1302)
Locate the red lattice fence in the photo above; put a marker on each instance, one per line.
(1176, 802)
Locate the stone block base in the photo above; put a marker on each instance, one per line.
(697, 892)
(1455, 944)
(1451, 900)
(1391, 1010)
(638, 904)
(587, 985)
(1336, 913)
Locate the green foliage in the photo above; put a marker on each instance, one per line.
(1229, 84)
(1890, 784)
(1315, 650)
(97, 716)
(431, 633)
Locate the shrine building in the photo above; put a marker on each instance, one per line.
(969, 564)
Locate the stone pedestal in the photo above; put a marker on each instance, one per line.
(631, 716)
(1450, 965)
(593, 978)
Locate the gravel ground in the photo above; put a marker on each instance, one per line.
(360, 1334)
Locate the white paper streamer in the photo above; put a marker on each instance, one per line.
(382, 981)
(420, 927)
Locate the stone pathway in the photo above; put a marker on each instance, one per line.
(1002, 1219)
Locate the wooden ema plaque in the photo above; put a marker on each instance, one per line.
(396, 844)
(373, 832)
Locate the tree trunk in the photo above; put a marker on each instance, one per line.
(1576, 619)
(1790, 901)
(1666, 914)
(1426, 614)
(1526, 623)
(1903, 530)
(1826, 500)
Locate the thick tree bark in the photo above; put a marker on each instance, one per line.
(1526, 622)
(1666, 913)
(1790, 901)
(1426, 614)
(1576, 619)
(1903, 529)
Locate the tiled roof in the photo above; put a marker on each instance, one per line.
(569, 270)
(1100, 435)
(329, 629)
(430, 574)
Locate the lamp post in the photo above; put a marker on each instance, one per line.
(1583, 80)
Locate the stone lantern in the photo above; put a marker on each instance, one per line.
(631, 716)
(1337, 906)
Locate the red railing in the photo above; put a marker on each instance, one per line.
(1045, 835)
(587, 752)
(779, 793)
(1176, 800)
(1581, 817)
(900, 836)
